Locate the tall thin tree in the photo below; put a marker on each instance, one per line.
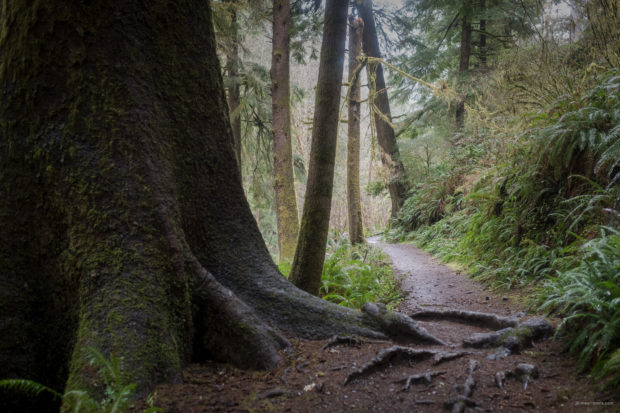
(284, 179)
(233, 63)
(356, 231)
(310, 253)
(382, 115)
(482, 43)
(465, 53)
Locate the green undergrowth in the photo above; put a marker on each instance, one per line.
(118, 395)
(356, 274)
(546, 213)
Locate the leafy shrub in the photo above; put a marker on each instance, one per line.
(354, 275)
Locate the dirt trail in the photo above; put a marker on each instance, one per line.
(313, 375)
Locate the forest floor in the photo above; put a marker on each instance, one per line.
(312, 375)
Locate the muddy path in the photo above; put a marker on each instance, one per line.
(372, 376)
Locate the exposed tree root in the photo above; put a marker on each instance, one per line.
(343, 340)
(441, 357)
(514, 339)
(463, 399)
(416, 378)
(522, 371)
(223, 313)
(395, 354)
(398, 325)
(467, 317)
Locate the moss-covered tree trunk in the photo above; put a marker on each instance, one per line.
(386, 137)
(465, 53)
(310, 253)
(232, 72)
(124, 223)
(284, 179)
(354, 207)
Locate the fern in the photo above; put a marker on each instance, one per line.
(589, 298)
(118, 394)
(28, 386)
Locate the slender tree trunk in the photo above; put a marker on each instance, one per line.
(234, 90)
(390, 156)
(310, 253)
(482, 45)
(464, 60)
(284, 179)
(356, 231)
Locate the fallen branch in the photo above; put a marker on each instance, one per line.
(416, 378)
(467, 317)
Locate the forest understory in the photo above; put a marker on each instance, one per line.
(345, 374)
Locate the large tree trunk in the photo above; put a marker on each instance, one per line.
(354, 207)
(234, 89)
(465, 52)
(124, 223)
(284, 179)
(390, 156)
(310, 253)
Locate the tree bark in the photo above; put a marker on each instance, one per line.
(125, 226)
(465, 52)
(310, 253)
(385, 133)
(284, 179)
(234, 90)
(356, 231)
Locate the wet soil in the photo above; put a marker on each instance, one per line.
(311, 377)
